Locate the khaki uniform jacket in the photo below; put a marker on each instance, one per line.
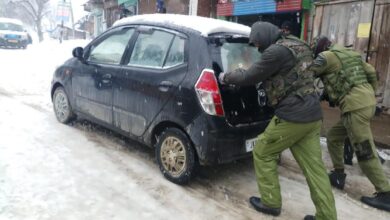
(360, 96)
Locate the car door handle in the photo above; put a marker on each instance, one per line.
(106, 78)
(165, 86)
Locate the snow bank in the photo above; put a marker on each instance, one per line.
(28, 73)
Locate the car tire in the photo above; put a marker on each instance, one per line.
(176, 156)
(62, 108)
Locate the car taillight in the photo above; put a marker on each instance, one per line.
(208, 93)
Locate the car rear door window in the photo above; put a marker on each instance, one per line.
(176, 53)
(111, 49)
(238, 55)
(151, 49)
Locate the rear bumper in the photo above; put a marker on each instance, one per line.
(224, 147)
(220, 143)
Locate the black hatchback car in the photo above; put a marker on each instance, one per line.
(153, 78)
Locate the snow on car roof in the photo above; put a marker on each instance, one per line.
(10, 20)
(203, 25)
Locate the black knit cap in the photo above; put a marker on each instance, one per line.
(320, 44)
(286, 25)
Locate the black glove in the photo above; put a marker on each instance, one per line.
(221, 78)
(332, 104)
(325, 97)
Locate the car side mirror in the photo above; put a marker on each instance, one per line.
(78, 52)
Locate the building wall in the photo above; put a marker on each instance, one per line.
(205, 8)
(365, 26)
(89, 26)
(147, 6)
(172, 6)
(111, 12)
(379, 49)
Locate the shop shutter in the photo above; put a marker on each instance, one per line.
(225, 9)
(254, 7)
(289, 5)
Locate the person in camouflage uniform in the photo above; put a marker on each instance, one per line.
(349, 84)
(283, 68)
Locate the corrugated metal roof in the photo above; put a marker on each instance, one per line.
(259, 7)
(289, 5)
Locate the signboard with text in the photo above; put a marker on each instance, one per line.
(63, 12)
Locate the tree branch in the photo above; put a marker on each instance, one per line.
(31, 14)
(28, 7)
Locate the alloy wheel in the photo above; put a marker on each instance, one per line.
(173, 156)
(61, 106)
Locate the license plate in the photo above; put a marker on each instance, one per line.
(250, 144)
(13, 41)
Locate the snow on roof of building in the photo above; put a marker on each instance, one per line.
(203, 25)
(11, 20)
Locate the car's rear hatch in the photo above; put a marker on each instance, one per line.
(243, 105)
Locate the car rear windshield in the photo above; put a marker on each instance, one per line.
(234, 52)
(10, 27)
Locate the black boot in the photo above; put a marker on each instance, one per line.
(309, 217)
(337, 179)
(260, 207)
(380, 201)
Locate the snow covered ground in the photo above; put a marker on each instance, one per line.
(82, 171)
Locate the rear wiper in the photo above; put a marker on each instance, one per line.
(231, 38)
(228, 35)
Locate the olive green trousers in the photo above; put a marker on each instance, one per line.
(303, 139)
(356, 126)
